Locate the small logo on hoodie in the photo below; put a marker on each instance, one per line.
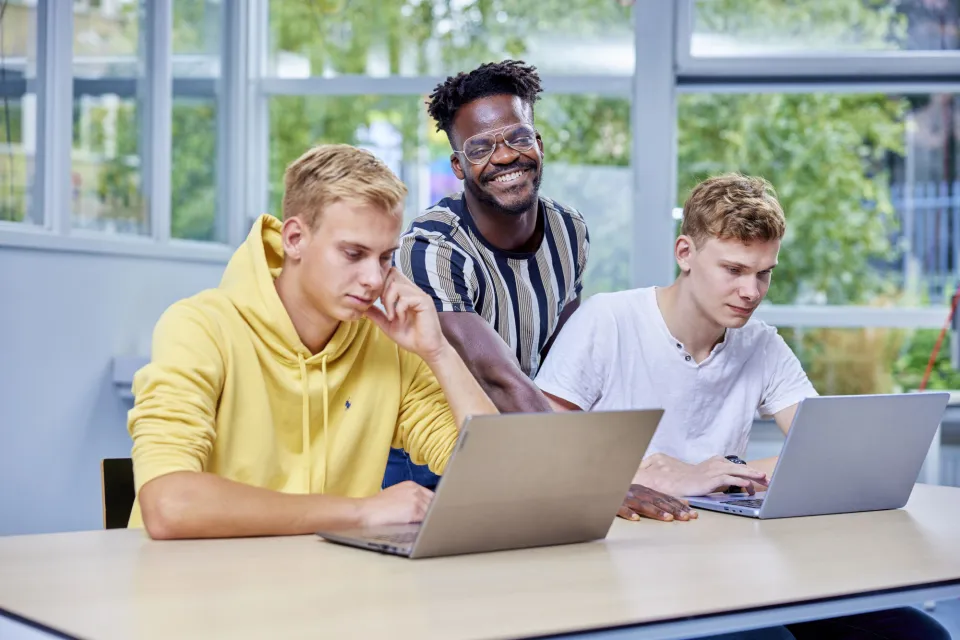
(347, 406)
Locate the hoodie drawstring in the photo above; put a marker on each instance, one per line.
(305, 426)
(326, 419)
(305, 420)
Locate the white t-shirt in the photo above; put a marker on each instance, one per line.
(616, 352)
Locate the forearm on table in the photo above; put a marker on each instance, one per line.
(188, 504)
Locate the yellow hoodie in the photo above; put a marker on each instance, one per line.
(231, 389)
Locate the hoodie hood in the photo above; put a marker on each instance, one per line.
(249, 284)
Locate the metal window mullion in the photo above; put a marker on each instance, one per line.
(348, 85)
(156, 154)
(52, 178)
(654, 151)
(839, 66)
(851, 316)
(802, 85)
(231, 124)
(683, 41)
(257, 166)
(602, 85)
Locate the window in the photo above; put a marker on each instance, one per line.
(440, 37)
(748, 27)
(197, 60)
(870, 185)
(18, 112)
(107, 158)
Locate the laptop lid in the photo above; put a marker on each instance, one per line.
(853, 453)
(537, 479)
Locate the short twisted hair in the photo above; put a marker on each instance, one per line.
(510, 77)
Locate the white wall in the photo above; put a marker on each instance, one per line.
(63, 317)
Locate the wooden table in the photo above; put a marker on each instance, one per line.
(647, 579)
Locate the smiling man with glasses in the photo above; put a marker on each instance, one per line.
(503, 264)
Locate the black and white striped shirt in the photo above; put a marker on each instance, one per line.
(521, 295)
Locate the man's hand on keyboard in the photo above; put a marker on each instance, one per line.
(400, 504)
(679, 478)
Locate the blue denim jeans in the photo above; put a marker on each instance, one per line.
(772, 633)
(400, 467)
(906, 623)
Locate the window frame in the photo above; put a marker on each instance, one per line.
(836, 65)
(50, 225)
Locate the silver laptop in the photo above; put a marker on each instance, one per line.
(844, 454)
(523, 480)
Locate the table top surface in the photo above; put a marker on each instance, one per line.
(119, 584)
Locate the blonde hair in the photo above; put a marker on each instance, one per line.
(733, 206)
(330, 173)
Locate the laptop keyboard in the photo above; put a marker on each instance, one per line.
(407, 537)
(753, 503)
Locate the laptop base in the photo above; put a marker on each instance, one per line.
(742, 504)
(395, 540)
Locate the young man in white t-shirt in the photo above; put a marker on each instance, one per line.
(693, 349)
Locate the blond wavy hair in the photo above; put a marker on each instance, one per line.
(733, 206)
(331, 173)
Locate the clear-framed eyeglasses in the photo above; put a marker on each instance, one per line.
(478, 149)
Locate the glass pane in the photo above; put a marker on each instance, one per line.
(870, 185)
(748, 27)
(854, 361)
(193, 179)
(196, 30)
(18, 112)
(196, 90)
(389, 126)
(586, 140)
(107, 118)
(440, 37)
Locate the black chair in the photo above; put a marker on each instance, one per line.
(116, 482)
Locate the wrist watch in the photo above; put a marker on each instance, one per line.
(734, 488)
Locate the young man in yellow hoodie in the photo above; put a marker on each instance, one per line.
(271, 402)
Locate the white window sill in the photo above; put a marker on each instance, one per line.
(847, 316)
(27, 236)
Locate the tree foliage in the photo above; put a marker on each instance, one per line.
(831, 25)
(824, 154)
(431, 37)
